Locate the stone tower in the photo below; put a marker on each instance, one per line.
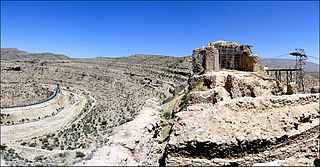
(224, 55)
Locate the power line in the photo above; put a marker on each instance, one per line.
(289, 54)
(314, 57)
(280, 56)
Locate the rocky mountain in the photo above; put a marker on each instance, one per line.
(13, 54)
(288, 63)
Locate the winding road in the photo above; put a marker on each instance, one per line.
(33, 104)
(11, 134)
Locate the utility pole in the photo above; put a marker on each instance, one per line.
(301, 58)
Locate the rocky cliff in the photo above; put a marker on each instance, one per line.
(220, 118)
(245, 131)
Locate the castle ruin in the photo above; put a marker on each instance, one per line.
(224, 55)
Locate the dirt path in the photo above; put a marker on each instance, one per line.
(13, 134)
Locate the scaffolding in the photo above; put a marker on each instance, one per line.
(229, 57)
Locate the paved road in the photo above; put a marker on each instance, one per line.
(23, 131)
(43, 101)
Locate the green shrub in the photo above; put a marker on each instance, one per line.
(56, 139)
(38, 158)
(44, 140)
(82, 145)
(184, 99)
(11, 151)
(207, 83)
(49, 147)
(45, 144)
(165, 132)
(80, 154)
(167, 115)
(62, 155)
(201, 86)
(3, 147)
(32, 144)
(104, 123)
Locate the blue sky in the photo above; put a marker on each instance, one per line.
(102, 28)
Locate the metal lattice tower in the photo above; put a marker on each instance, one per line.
(301, 58)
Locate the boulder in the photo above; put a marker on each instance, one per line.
(292, 88)
(209, 96)
(198, 62)
(315, 89)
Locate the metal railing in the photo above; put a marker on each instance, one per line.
(32, 104)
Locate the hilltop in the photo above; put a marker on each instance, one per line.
(14, 54)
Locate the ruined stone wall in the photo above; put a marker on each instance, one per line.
(208, 58)
(211, 59)
(249, 62)
(205, 59)
(197, 62)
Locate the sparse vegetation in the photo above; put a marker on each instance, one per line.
(32, 144)
(184, 99)
(79, 154)
(38, 158)
(3, 147)
(167, 115)
(201, 86)
(165, 132)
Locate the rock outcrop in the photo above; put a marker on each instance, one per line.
(315, 89)
(292, 88)
(244, 131)
(205, 59)
(218, 86)
(138, 142)
(217, 118)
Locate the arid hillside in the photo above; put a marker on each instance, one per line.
(14, 54)
(149, 110)
(114, 90)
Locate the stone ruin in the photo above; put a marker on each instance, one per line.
(224, 55)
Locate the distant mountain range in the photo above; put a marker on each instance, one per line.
(288, 63)
(13, 54)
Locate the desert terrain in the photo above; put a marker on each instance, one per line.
(151, 110)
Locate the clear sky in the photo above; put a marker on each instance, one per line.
(91, 29)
